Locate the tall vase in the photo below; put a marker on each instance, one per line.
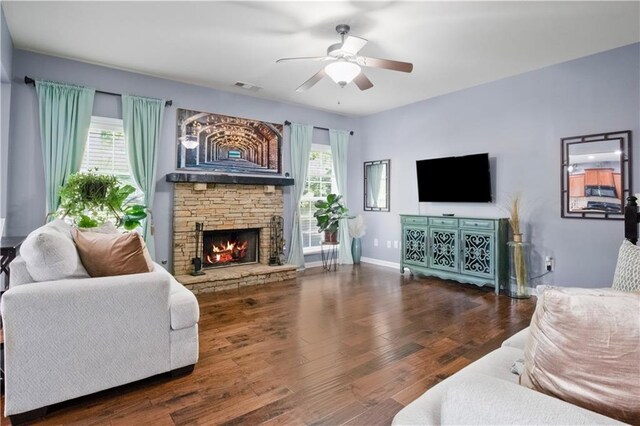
(356, 250)
(519, 252)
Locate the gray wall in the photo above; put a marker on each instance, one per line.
(519, 121)
(26, 209)
(6, 58)
(6, 48)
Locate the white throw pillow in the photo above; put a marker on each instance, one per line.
(627, 275)
(50, 253)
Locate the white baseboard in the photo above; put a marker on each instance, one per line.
(363, 259)
(380, 262)
(313, 264)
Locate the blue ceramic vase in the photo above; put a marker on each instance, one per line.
(356, 250)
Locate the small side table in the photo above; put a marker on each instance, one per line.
(329, 253)
(8, 250)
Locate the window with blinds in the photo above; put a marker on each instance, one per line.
(320, 183)
(106, 151)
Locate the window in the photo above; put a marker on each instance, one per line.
(106, 150)
(320, 182)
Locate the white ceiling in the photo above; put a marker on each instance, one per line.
(453, 45)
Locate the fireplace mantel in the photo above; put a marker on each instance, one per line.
(232, 179)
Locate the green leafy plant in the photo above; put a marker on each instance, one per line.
(330, 212)
(91, 198)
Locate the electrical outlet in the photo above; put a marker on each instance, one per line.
(375, 242)
(395, 243)
(549, 264)
(388, 243)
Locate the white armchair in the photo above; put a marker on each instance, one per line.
(68, 338)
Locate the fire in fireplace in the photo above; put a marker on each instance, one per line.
(229, 247)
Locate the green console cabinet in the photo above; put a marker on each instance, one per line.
(465, 249)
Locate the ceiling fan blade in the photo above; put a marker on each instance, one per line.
(304, 58)
(385, 63)
(313, 80)
(353, 44)
(362, 82)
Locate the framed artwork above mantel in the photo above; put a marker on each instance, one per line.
(210, 142)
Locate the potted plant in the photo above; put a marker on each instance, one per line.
(91, 199)
(328, 216)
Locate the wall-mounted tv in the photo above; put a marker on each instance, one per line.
(465, 179)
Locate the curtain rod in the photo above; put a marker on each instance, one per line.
(29, 80)
(288, 123)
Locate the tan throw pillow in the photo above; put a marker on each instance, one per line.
(145, 251)
(106, 255)
(627, 275)
(584, 348)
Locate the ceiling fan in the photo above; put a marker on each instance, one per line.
(346, 64)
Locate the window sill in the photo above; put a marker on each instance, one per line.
(311, 250)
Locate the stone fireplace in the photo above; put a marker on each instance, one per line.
(236, 213)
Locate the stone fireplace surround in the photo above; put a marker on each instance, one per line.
(225, 206)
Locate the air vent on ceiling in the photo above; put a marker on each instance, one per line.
(247, 86)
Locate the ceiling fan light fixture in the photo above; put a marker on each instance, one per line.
(342, 72)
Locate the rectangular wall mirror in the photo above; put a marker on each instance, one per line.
(376, 185)
(596, 175)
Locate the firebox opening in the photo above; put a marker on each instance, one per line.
(229, 247)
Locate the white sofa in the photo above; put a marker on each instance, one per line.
(68, 338)
(487, 392)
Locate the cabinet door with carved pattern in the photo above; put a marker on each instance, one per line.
(477, 253)
(414, 246)
(444, 249)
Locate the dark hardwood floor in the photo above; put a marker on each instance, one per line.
(346, 347)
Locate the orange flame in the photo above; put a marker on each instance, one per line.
(229, 252)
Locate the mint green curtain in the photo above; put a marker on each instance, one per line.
(339, 140)
(301, 137)
(142, 120)
(65, 117)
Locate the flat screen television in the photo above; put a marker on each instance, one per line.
(465, 179)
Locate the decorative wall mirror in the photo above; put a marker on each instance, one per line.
(596, 175)
(376, 185)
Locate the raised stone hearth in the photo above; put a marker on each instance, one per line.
(225, 206)
(236, 277)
